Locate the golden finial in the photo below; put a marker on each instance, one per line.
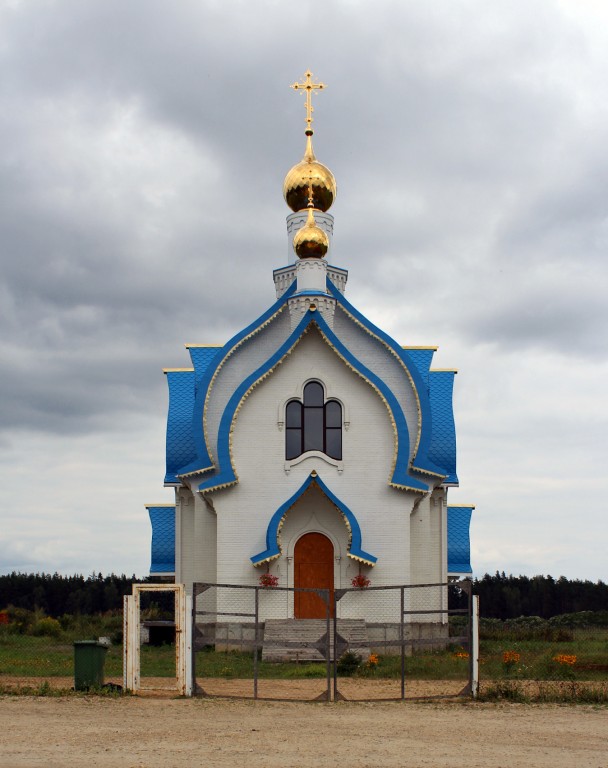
(295, 189)
(309, 87)
(310, 242)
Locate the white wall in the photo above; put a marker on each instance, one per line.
(258, 450)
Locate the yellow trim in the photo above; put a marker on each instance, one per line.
(195, 346)
(443, 370)
(466, 506)
(177, 370)
(220, 487)
(360, 560)
(147, 506)
(266, 560)
(426, 471)
(198, 471)
(408, 488)
(404, 346)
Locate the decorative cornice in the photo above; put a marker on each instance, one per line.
(273, 532)
(178, 370)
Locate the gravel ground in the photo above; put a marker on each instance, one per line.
(146, 732)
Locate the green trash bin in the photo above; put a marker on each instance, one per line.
(89, 663)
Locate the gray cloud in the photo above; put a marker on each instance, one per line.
(143, 153)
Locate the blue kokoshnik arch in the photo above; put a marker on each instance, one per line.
(273, 549)
(225, 475)
(203, 462)
(421, 462)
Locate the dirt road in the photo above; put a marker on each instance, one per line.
(60, 732)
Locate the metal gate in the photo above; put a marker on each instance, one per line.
(432, 627)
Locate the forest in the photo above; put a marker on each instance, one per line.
(500, 596)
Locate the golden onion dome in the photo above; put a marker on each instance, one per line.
(310, 242)
(309, 172)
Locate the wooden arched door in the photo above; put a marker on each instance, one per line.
(313, 569)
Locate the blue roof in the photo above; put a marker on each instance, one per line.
(187, 451)
(443, 440)
(202, 358)
(163, 539)
(422, 359)
(459, 543)
(180, 442)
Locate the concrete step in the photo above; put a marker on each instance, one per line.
(305, 639)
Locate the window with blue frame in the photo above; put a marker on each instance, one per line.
(313, 424)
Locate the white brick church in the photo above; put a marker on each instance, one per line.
(311, 446)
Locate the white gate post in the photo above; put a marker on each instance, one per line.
(475, 646)
(130, 639)
(188, 645)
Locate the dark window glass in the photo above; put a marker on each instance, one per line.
(313, 429)
(313, 394)
(313, 425)
(293, 414)
(293, 443)
(333, 443)
(333, 414)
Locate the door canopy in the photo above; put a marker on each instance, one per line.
(273, 543)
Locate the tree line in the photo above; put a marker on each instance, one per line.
(500, 596)
(57, 595)
(508, 597)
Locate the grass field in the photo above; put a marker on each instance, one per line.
(27, 655)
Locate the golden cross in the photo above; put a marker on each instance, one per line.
(309, 87)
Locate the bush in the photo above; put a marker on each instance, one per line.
(20, 619)
(525, 628)
(580, 619)
(46, 627)
(348, 663)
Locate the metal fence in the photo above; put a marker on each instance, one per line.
(562, 658)
(557, 659)
(386, 643)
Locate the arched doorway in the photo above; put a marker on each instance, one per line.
(313, 559)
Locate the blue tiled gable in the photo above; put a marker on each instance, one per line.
(162, 519)
(443, 441)
(202, 357)
(422, 359)
(180, 442)
(459, 543)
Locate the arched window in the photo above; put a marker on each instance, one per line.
(313, 424)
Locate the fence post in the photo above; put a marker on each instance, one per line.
(125, 642)
(402, 642)
(474, 646)
(193, 641)
(256, 641)
(188, 645)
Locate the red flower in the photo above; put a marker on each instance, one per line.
(360, 581)
(268, 580)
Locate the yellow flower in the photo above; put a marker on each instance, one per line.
(564, 658)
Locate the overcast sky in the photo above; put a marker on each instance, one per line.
(143, 146)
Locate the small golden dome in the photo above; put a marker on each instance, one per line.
(310, 242)
(309, 172)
